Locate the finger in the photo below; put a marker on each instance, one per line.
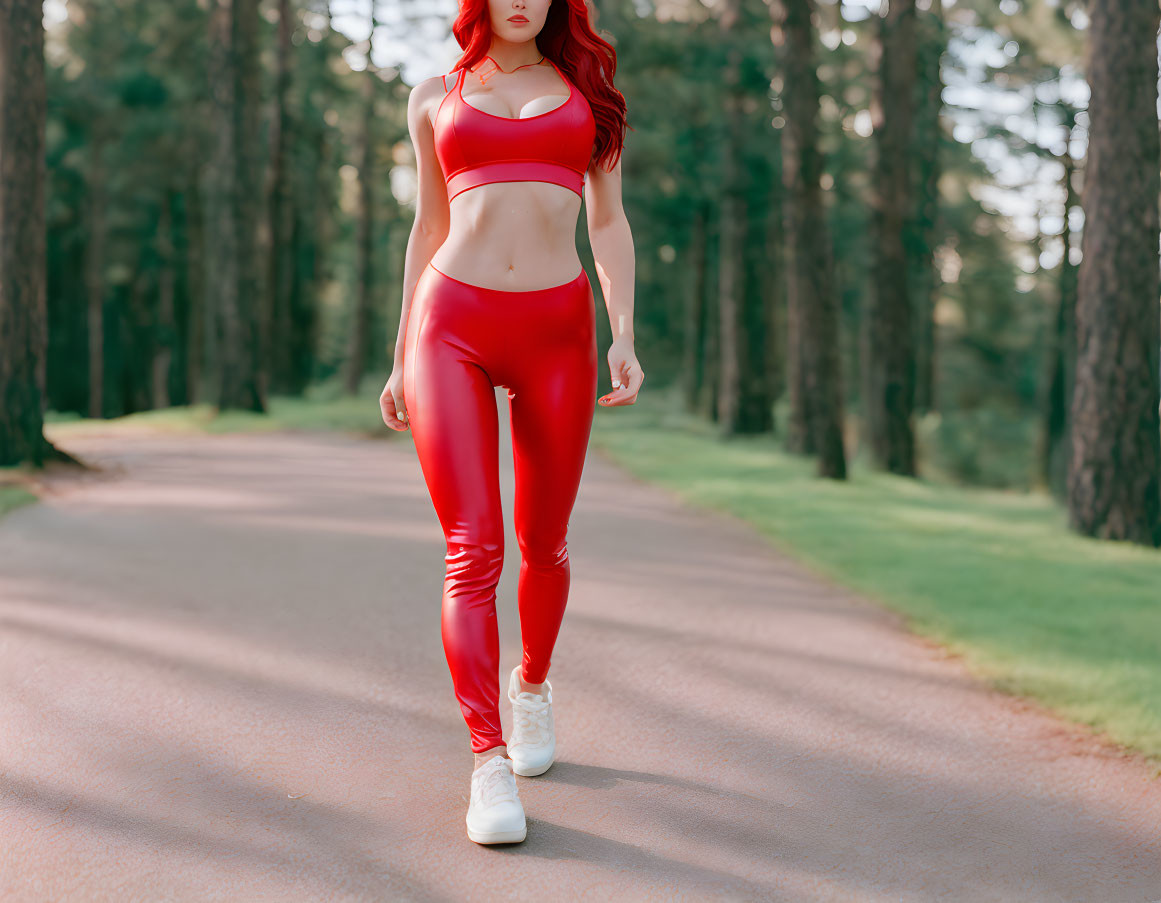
(616, 397)
(627, 392)
(401, 409)
(622, 381)
(394, 417)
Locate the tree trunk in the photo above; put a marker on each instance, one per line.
(732, 230)
(887, 356)
(693, 349)
(928, 139)
(199, 321)
(729, 264)
(1115, 477)
(798, 436)
(359, 336)
(23, 303)
(713, 320)
(818, 371)
(232, 260)
(762, 271)
(280, 220)
(776, 290)
(166, 332)
(94, 271)
(1055, 445)
(311, 228)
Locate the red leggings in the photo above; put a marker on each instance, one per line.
(462, 341)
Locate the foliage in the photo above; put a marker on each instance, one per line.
(128, 144)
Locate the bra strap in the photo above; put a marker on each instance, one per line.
(448, 93)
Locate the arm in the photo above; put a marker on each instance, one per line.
(428, 232)
(612, 244)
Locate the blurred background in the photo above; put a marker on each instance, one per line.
(147, 249)
(860, 231)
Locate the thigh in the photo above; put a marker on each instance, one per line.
(551, 413)
(451, 405)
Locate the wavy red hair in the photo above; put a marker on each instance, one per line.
(567, 39)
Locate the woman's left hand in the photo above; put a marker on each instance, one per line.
(626, 374)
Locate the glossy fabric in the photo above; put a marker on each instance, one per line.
(477, 148)
(462, 340)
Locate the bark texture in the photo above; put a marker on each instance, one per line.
(1115, 476)
(23, 304)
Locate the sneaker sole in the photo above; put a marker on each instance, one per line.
(529, 772)
(498, 836)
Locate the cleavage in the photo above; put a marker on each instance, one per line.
(563, 101)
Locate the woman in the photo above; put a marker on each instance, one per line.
(507, 144)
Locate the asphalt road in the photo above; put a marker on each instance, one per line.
(221, 678)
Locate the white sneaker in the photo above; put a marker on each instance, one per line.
(532, 746)
(495, 813)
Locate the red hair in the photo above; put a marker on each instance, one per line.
(567, 39)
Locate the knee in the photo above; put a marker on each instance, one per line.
(475, 563)
(543, 551)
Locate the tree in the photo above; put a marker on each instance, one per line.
(359, 336)
(277, 314)
(925, 228)
(816, 378)
(744, 403)
(1054, 450)
(1115, 477)
(234, 204)
(888, 343)
(23, 316)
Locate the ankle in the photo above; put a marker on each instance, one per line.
(482, 757)
(525, 687)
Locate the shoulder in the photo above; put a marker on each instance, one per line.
(429, 89)
(424, 100)
(427, 94)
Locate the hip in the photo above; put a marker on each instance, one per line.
(502, 327)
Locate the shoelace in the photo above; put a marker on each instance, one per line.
(531, 716)
(496, 784)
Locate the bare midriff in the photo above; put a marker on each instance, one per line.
(512, 236)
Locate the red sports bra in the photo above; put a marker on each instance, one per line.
(476, 148)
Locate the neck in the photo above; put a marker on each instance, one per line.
(508, 55)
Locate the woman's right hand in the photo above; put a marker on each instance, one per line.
(391, 401)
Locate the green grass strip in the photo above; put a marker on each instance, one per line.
(995, 576)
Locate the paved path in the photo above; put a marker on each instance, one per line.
(221, 679)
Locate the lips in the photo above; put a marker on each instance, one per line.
(518, 20)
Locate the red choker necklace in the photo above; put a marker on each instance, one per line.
(484, 78)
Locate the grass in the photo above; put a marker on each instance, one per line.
(324, 409)
(995, 576)
(13, 497)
